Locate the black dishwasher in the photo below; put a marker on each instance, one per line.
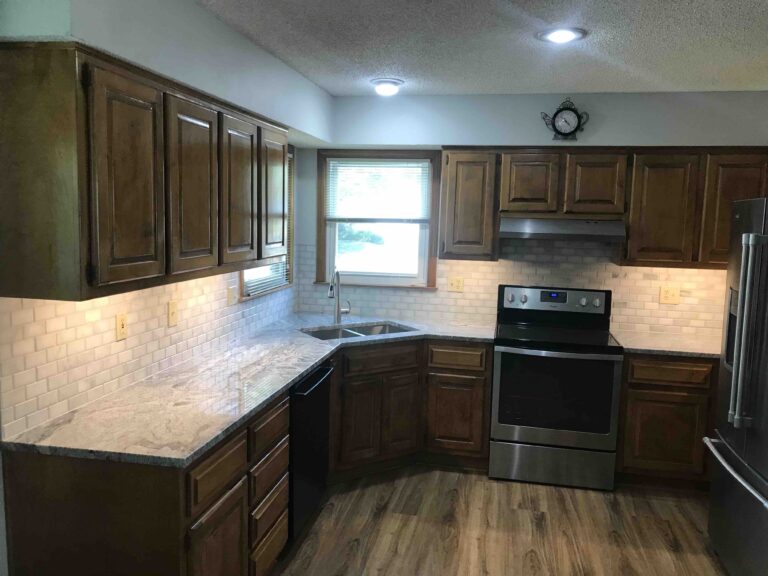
(310, 405)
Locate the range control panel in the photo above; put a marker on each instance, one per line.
(554, 299)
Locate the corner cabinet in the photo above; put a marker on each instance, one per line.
(155, 182)
(468, 223)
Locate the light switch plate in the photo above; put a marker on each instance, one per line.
(669, 295)
(121, 326)
(455, 284)
(173, 313)
(233, 295)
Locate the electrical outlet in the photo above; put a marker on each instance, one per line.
(173, 313)
(233, 295)
(669, 295)
(121, 326)
(455, 284)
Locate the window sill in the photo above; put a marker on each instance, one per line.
(379, 286)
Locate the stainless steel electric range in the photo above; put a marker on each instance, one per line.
(556, 386)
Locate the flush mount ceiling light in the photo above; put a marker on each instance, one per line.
(561, 35)
(387, 86)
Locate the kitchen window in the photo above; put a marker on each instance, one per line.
(377, 222)
(273, 273)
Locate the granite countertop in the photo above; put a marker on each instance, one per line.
(174, 416)
(669, 344)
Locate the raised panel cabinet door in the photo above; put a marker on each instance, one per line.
(128, 226)
(360, 420)
(664, 430)
(240, 175)
(455, 413)
(529, 182)
(663, 206)
(595, 183)
(192, 148)
(401, 413)
(218, 542)
(468, 222)
(273, 212)
(729, 177)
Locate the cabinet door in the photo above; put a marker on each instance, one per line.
(239, 190)
(468, 223)
(729, 177)
(595, 183)
(401, 413)
(218, 541)
(193, 185)
(664, 430)
(360, 420)
(529, 182)
(128, 192)
(456, 414)
(663, 208)
(273, 212)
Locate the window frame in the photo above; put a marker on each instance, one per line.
(435, 159)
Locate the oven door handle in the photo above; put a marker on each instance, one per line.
(553, 354)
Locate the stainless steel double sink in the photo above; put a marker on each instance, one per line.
(357, 330)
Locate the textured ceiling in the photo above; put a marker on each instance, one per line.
(488, 46)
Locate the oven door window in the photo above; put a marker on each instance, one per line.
(556, 393)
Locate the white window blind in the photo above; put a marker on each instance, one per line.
(360, 190)
(278, 273)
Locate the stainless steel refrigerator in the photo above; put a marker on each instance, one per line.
(738, 517)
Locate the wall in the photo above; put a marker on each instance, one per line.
(57, 356)
(652, 119)
(35, 18)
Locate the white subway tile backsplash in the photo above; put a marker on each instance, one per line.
(57, 356)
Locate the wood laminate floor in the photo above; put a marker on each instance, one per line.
(441, 523)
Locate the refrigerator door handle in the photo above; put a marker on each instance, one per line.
(736, 476)
(755, 243)
(746, 253)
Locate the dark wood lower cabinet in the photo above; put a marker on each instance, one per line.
(95, 517)
(360, 420)
(668, 409)
(401, 426)
(455, 413)
(218, 541)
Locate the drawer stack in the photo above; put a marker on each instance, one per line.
(268, 488)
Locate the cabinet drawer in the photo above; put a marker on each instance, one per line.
(207, 480)
(458, 357)
(687, 374)
(265, 556)
(269, 470)
(269, 430)
(371, 360)
(267, 513)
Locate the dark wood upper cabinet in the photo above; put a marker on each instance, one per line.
(128, 188)
(663, 208)
(239, 189)
(529, 182)
(595, 183)
(729, 177)
(360, 419)
(192, 148)
(468, 225)
(401, 426)
(456, 413)
(219, 540)
(273, 211)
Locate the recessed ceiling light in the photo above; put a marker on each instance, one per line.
(562, 35)
(387, 86)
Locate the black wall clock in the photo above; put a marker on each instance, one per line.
(566, 121)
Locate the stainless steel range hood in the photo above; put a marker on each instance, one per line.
(598, 230)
